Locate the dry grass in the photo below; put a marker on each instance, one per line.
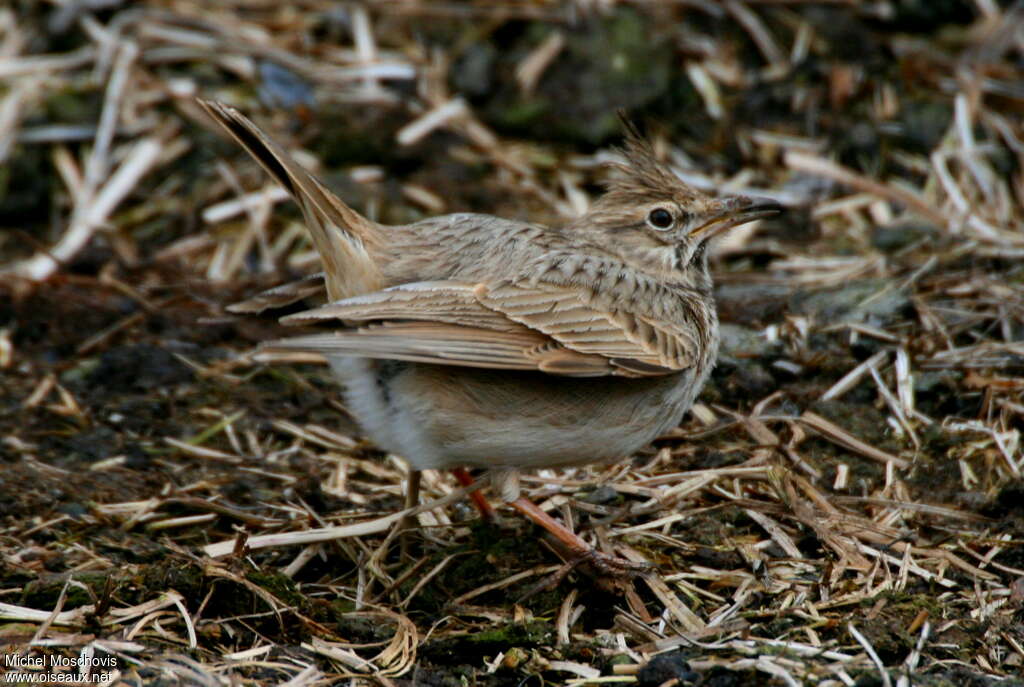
(844, 506)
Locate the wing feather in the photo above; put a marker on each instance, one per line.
(280, 296)
(448, 302)
(430, 342)
(553, 328)
(590, 328)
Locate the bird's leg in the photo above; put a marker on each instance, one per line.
(611, 571)
(479, 500)
(412, 492)
(412, 499)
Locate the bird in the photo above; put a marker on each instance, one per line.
(472, 341)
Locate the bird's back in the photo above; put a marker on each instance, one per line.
(474, 247)
(464, 246)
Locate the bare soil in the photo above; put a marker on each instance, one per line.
(801, 529)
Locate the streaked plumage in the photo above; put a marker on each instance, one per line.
(469, 340)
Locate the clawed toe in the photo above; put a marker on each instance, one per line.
(613, 566)
(610, 573)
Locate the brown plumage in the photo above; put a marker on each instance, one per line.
(470, 340)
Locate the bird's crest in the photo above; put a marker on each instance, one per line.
(642, 176)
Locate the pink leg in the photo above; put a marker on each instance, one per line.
(466, 479)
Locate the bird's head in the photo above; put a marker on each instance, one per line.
(652, 220)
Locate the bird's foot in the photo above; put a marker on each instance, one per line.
(610, 573)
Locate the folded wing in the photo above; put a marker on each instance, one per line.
(546, 327)
(283, 295)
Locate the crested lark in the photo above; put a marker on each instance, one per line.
(471, 340)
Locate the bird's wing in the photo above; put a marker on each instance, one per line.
(505, 325)
(449, 344)
(280, 296)
(449, 302)
(575, 319)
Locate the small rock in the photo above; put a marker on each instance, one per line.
(602, 495)
(871, 301)
(742, 342)
(665, 667)
(749, 381)
(473, 72)
(621, 60)
(140, 367)
(752, 305)
(282, 88)
(893, 237)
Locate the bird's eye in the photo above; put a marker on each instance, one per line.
(660, 218)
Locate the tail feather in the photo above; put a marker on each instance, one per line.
(345, 239)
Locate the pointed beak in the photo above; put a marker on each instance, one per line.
(736, 210)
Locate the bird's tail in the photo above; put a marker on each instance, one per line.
(345, 239)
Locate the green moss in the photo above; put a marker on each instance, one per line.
(44, 592)
(278, 584)
(469, 646)
(863, 421)
(532, 633)
(359, 627)
(887, 629)
(69, 106)
(618, 61)
(184, 577)
(523, 113)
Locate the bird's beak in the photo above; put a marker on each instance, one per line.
(734, 211)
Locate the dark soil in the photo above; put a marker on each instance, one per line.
(127, 346)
